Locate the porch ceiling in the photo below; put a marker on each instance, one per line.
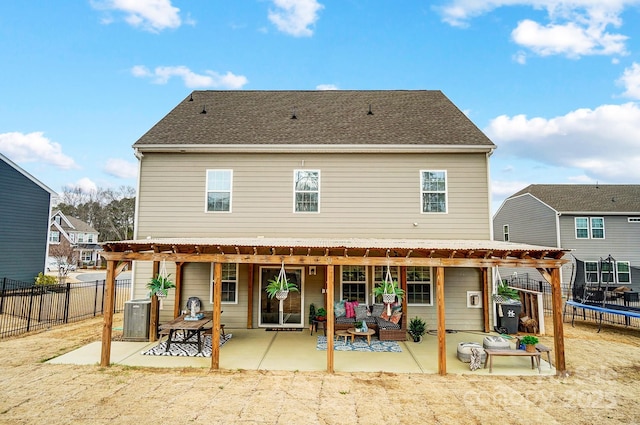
(337, 251)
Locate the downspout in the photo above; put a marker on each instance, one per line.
(136, 212)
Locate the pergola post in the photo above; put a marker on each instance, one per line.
(250, 278)
(178, 291)
(217, 303)
(109, 301)
(330, 317)
(485, 299)
(442, 331)
(154, 313)
(558, 331)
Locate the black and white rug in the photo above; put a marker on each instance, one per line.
(187, 350)
(360, 344)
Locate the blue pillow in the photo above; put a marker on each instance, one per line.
(339, 310)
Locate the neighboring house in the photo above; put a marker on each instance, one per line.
(335, 186)
(25, 205)
(600, 224)
(82, 237)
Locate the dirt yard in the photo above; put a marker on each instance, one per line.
(603, 387)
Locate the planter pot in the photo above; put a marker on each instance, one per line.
(282, 295)
(417, 338)
(388, 298)
(530, 348)
(321, 318)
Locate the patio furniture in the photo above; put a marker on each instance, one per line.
(315, 324)
(189, 328)
(535, 357)
(354, 333)
(342, 334)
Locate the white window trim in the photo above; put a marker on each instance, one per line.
(364, 282)
(505, 233)
(422, 282)
(628, 263)
(597, 272)
(633, 219)
(446, 192)
(591, 227)
(306, 191)
(576, 228)
(211, 280)
(206, 191)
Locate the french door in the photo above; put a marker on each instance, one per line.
(287, 313)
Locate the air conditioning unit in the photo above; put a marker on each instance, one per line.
(137, 314)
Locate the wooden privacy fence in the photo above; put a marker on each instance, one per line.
(27, 308)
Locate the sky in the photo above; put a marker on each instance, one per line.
(554, 84)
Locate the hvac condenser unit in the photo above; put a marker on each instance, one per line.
(136, 320)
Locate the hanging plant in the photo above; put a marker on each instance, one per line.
(388, 289)
(279, 286)
(159, 286)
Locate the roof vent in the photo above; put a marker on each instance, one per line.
(191, 98)
(370, 111)
(293, 114)
(204, 109)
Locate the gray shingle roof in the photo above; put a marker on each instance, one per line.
(587, 197)
(425, 117)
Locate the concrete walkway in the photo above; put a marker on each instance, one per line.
(257, 349)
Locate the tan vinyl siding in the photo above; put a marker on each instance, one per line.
(361, 195)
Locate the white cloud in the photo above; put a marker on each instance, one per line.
(34, 147)
(121, 168)
(631, 81)
(600, 142)
(210, 79)
(575, 27)
(85, 185)
(327, 87)
(295, 16)
(150, 15)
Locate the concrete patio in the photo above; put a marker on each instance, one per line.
(257, 349)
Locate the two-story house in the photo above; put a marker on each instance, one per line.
(600, 224)
(336, 187)
(81, 236)
(25, 205)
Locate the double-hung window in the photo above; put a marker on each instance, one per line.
(54, 236)
(589, 227)
(433, 191)
(306, 190)
(354, 283)
(505, 233)
(419, 288)
(591, 272)
(623, 269)
(607, 272)
(229, 283)
(219, 184)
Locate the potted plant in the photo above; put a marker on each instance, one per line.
(505, 293)
(358, 326)
(321, 314)
(159, 286)
(417, 328)
(279, 287)
(388, 290)
(529, 342)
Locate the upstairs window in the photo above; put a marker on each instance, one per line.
(505, 232)
(433, 191)
(219, 183)
(597, 228)
(589, 227)
(306, 190)
(54, 236)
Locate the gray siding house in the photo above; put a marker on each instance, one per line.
(600, 224)
(25, 205)
(81, 236)
(314, 164)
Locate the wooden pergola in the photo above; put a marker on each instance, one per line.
(329, 253)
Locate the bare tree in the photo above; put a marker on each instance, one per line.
(64, 254)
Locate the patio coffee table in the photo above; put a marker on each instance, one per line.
(188, 327)
(368, 333)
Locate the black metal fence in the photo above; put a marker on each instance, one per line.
(25, 307)
(609, 299)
